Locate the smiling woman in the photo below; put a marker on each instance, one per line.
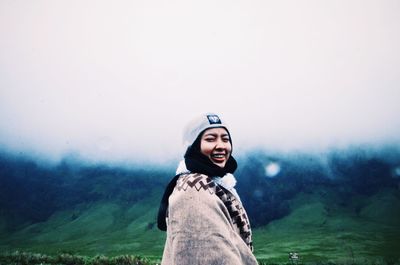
(200, 209)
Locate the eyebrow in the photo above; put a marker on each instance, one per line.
(215, 134)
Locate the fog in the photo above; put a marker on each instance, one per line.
(118, 80)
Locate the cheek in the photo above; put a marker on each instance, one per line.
(205, 148)
(229, 148)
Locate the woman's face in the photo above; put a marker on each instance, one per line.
(216, 146)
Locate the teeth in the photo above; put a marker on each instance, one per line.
(218, 156)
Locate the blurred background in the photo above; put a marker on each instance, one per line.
(94, 96)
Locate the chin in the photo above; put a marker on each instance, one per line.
(220, 165)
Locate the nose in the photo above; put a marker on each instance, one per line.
(220, 144)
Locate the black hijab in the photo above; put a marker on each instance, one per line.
(196, 162)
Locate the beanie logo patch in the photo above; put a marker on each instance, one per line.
(213, 119)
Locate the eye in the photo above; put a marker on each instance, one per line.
(225, 139)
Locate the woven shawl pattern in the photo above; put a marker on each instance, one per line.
(235, 208)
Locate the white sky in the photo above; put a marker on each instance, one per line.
(115, 80)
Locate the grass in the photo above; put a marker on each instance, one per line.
(101, 228)
(24, 258)
(321, 231)
(322, 234)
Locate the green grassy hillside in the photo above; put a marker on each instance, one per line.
(90, 229)
(320, 228)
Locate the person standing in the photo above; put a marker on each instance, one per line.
(201, 210)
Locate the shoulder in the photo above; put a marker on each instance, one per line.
(195, 182)
(193, 196)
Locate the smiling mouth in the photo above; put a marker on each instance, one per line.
(218, 157)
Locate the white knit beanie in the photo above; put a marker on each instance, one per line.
(199, 124)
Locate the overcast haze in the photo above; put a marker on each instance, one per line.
(118, 80)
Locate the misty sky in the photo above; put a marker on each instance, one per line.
(118, 80)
